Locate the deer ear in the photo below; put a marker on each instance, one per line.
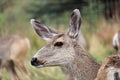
(42, 30)
(116, 41)
(75, 23)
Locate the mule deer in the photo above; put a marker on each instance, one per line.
(64, 50)
(110, 69)
(116, 41)
(13, 50)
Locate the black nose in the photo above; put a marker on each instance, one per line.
(34, 61)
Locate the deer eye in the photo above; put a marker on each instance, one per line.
(59, 44)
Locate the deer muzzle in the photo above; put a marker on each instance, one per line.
(36, 62)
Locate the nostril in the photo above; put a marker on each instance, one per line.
(34, 61)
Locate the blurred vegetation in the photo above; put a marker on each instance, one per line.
(53, 9)
(97, 29)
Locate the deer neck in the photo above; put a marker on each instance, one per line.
(83, 67)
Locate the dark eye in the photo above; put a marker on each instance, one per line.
(58, 44)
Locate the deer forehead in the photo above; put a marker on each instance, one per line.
(58, 38)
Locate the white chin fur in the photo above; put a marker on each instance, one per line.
(39, 66)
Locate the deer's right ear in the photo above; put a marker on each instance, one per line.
(42, 30)
(75, 23)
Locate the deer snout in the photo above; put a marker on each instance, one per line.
(36, 62)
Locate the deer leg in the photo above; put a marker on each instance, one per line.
(0, 68)
(0, 73)
(23, 69)
(11, 69)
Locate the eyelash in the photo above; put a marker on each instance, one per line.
(59, 44)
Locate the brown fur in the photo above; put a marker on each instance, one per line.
(86, 66)
(112, 61)
(13, 51)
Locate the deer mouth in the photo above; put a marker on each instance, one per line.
(39, 66)
(44, 63)
(37, 63)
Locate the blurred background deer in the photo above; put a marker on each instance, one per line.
(110, 69)
(13, 51)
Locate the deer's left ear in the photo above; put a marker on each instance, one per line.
(75, 23)
(43, 31)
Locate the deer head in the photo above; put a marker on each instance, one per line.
(59, 49)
